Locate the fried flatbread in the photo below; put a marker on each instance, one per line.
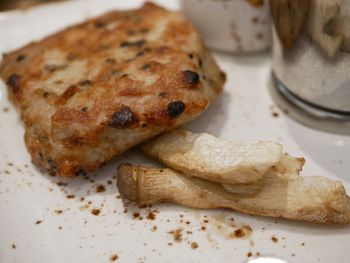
(96, 89)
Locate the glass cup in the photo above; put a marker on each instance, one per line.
(311, 61)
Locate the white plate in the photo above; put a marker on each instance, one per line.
(244, 110)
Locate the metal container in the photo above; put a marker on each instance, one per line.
(311, 61)
(237, 26)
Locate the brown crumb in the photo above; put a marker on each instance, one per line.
(151, 215)
(177, 234)
(189, 232)
(61, 184)
(60, 227)
(249, 254)
(238, 233)
(6, 172)
(194, 245)
(13, 246)
(293, 255)
(113, 257)
(95, 211)
(5, 109)
(100, 188)
(170, 244)
(303, 244)
(109, 182)
(203, 228)
(274, 239)
(154, 228)
(38, 222)
(82, 199)
(58, 211)
(137, 215)
(242, 232)
(9, 164)
(70, 196)
(257, 254)
(275, 114)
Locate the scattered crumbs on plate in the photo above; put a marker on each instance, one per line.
(13, 246)
(249, 254)
(95, 211)
(177, 234)
(38, 222)
(274, 239)
(114, 257)
(154, 228)
(100, 188)
(194, 245)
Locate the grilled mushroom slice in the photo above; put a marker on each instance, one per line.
(288, 17)
(325, 25)
(310, 198)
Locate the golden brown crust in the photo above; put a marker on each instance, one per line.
(94, 90)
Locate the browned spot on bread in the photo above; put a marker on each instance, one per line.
(123, 118)
(191, 77)
(137, 44)
(14, 82)
(69, 92)
(175, 108)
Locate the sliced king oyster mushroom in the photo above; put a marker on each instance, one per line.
(325, 25)
(289, 17)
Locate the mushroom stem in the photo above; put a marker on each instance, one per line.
(311, 198)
